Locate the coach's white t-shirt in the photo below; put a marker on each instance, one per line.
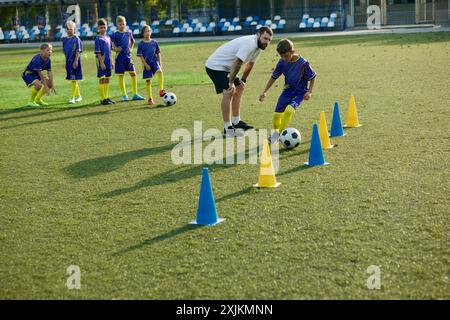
(244, 48)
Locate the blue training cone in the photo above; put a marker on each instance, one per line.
(206, 212)
(336, 124)
(315, 151)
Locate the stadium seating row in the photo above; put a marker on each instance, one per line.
(320, 23)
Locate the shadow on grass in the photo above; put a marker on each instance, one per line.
(161, 237)
(92, 167)
(235, 194)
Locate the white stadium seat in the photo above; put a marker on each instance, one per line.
(143, 23)
(331, 24)
(282, 21)
(202, 29)
(325, 20)
(238, 28)
(268, 22)
(249, 19)
(333, 15)
(258, 26)
(273, 26)
(223, 20)
(316, 25)
(199, 25)
(26, 36)
(276, 18)
(254, 23)
(169, 23)
(189, 30)
(212, 24)
(227, 24)
(136, 32)
(302, 25)
(186, 25)
(305, 16)
(311, 20)
(176, 30)
(195, 21)
(231, 28)
(155, 23)
(236, 19)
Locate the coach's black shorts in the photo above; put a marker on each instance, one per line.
(220, 79)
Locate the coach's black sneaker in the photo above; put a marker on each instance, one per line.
(110, 101)
(104, 102)
(242, 125)
(232, 132)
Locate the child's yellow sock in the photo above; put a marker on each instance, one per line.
(77, 90)
(40, 94)
(106, 90)
(148, 87)
(122, 85)
(101, 90)
(160, 77)
(277, 120)
(74, 88)
(286, 118)
(34, 92)
(134, 84)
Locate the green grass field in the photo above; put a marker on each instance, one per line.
(95, 186)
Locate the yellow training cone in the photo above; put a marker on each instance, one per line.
(352, 119)
(323, 132)
(266, 177)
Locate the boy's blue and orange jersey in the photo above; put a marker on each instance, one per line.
(103, 46)
(123, 40)
(148, 50)
(71, 45)
(38, 64)
(297, 73)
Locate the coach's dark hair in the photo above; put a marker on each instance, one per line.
(101, 22)
(265, 29)
(143, 30)
(285, 45)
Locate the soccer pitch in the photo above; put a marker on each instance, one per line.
(94, 186)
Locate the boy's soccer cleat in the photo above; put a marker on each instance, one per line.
(150, 102)
(41, 102)
(242, 125)
(32, 104)
(232, 132)
(138, 97)
(72, 101)
(125, 98)
(78, 99)
(162, 93)
(273, 137)
(105, 102)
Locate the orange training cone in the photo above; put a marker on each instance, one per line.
(266, 177)
(323, 132)
(352, 119)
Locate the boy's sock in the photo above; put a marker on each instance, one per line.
(277, 120)
(148, 87)
(160, 77)
(134, 84)
(40, 94)
(286, 118)
(77, 90)
(106, 90)
(34, 92)
(73, 85)
(101, 90)
(122, 85)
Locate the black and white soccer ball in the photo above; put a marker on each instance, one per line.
(290, 138)
(170, 99)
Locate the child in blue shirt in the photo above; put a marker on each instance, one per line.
(299, 82)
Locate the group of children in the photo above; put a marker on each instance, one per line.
(121, 43)
(299, 75)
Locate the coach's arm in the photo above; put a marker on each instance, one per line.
(247, 70)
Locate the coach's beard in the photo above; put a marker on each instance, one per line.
(261, 45)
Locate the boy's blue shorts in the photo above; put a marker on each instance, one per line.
(154, 67)
(74, 74)
(289, 97)
(29, 78)
(124, 64)
(104, 73)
